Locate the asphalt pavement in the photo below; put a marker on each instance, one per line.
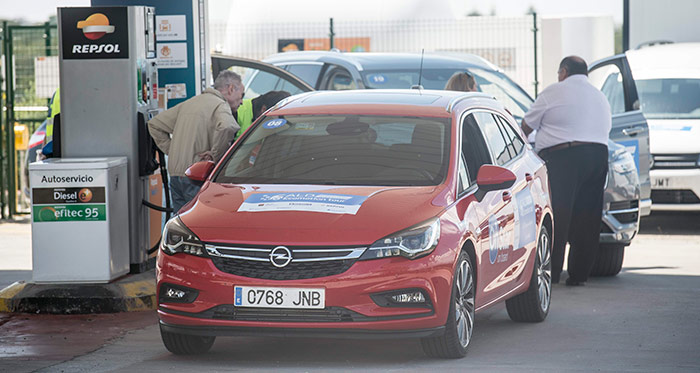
(643, 320)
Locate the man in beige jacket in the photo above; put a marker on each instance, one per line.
(200, 128)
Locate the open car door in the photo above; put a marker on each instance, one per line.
(613, 77)
(259, 77)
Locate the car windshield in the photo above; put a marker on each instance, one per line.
(491, 82)
(341, 150)
(670, 98)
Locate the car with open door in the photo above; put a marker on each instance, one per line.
(667, 78)
(382, 213)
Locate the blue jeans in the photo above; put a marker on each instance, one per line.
(182, 191)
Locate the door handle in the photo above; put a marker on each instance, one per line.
(528, 177)
(507, 196)
(632, 131)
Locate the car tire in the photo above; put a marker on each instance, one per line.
(533, 304)
(460, 319)
(608, 262)
(184, 344)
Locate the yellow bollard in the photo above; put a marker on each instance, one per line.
(21, 137)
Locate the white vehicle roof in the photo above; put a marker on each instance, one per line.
(666, 61)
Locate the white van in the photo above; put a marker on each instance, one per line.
(667, 77)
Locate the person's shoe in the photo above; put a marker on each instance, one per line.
(570, 282)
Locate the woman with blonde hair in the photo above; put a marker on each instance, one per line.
(462, 81)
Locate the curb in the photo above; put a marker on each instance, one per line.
(129, 294)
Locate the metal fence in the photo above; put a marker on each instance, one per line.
(30, 64)
(512, 43)
(30, 76)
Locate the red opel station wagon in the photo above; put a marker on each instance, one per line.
(391, 213)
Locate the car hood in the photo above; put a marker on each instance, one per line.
(255, 214)
(674, 136)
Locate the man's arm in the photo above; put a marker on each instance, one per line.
(162, 126)
(224, 131)
(526, 128)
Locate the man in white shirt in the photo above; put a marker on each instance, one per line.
(573, 122)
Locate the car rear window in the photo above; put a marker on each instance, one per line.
(341, 150)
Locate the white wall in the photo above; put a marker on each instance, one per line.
(591, 38)
(674, 20)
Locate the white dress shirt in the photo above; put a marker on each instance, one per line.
(570, 110)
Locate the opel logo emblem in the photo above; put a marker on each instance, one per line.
(280, 256)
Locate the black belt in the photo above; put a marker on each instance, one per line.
(564, 145)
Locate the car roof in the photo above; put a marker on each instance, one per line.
(676, 60)
(380, 61)
(398, 102)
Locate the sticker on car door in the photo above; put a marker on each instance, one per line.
(525, 226)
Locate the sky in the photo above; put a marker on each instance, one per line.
(38, 11)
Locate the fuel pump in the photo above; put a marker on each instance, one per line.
(109, 91)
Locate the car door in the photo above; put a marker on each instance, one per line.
(259, 77)
(629, 127)
(498, 221)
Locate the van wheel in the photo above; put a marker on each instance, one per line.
(608, 262)
(460, 319)
(533, 304)
(184, 344)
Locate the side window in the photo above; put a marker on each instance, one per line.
(608, 79)
(463, 176)
(339, 79)
(260, 83)
(515, 143)
(494, 137)
(306, 72)
(474, 148)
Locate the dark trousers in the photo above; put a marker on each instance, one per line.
(577, 181)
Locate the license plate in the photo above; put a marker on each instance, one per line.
(269, 297)
(661, 183)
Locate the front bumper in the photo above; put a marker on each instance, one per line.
(348, 303)
(213, 331)
(618, 232)
(675, 190)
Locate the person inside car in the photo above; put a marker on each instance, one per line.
(462, 81)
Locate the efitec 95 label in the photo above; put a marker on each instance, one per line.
(54, 213)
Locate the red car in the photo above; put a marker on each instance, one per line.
(395, 213)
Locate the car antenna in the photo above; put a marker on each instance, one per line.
(420, 71)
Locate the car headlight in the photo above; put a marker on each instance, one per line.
(411, 243)
(178, 239)
(622, 162)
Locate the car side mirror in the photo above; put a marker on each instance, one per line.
(200, 171)
(490, 178)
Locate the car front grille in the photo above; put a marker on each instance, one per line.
(673, 196)
(625, 211)
(674, 161)
(328, 314)
(306, 262)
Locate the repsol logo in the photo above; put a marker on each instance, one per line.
(95, 48)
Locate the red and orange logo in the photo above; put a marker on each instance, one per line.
(95, 26)
(85, 195)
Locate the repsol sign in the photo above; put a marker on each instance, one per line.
(94, 33)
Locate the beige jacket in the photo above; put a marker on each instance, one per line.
(201, 124)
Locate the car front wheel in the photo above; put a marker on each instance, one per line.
(183, 344)
(533, 304)
(608, 262)
(460, 320)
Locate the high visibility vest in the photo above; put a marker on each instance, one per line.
(54, 109)
(245, 115)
